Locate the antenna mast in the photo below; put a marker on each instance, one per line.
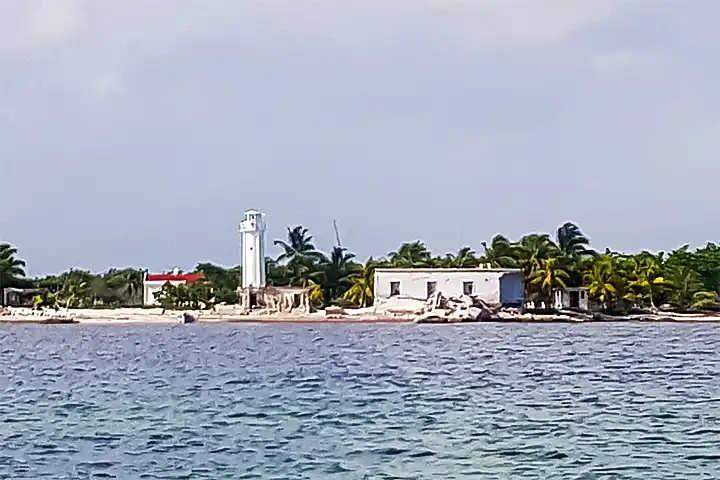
(337, 233)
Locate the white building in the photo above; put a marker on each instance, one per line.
(153, 283)
(492, 285)
(252, 233)
(571, 298)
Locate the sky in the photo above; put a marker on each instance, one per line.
(137, 133)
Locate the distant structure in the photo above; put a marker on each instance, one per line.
(495, 286)
(253, 292)
(252, 233)
(153, 283)
(571, 298)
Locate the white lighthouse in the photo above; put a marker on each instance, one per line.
(252, 233)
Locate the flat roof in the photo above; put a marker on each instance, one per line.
(447, 270)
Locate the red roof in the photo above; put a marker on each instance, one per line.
(169, 277)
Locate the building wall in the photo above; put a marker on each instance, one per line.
(151, 287)
(492, 286)
(512, 289)
(563, 300)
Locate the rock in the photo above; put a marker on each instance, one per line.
(187, 318)
(457, 316)
(476, 313)
(434, 316)
(330, 311)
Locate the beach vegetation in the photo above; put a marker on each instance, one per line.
(684, 279)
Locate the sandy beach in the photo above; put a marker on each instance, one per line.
(156, 316)
(229, 314)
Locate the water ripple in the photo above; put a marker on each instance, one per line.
(360, 402)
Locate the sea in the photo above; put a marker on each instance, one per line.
(482, 401)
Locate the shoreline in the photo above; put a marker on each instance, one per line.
(129, 316)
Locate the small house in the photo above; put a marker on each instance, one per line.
(153, 283)
(575, 298)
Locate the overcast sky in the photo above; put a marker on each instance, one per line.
(137, 132)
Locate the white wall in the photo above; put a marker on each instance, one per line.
(562, 299)
(486, 283)
(152, 287)
(252, 230)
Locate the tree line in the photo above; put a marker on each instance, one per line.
(684, 279)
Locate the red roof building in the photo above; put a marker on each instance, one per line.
(154, 282)
(170, 277)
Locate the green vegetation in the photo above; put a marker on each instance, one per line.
(684, 279)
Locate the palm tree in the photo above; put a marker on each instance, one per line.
(574, 252)
(276, 274)
(315, 295)
(646, 278)
(334, 273)
(501, 253)
(77, 293)
(571, 241)
(549, 276)
(410, 255)
(12, 269)
(361, 291)
(685, 283)
(127, 284)
(465, 258)
(532, 250)
(299, 255)
(706, 300)
(602, 281)
(299, 244)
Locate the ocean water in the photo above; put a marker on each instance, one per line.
(360, 402)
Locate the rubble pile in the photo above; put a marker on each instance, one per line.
(465, 308)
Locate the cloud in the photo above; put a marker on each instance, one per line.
(127, 124)
(500, 23)
(35, 23)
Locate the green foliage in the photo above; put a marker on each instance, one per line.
(196, 295)
(12, 269)
(224, 281)
(684, 279)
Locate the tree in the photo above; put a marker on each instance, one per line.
(12, 269)
(315, 295)
(298, 244)
(549, 276)
(335, 272)
(76, 291)
(501, 253)
(361, 290)
(276, 274)
(410, 255)
(224, 281)
(706, 301)
(195, 295)
(299, 254)
(646, 278)
(684, 283)
(465, 258)
(532, 250)
(572, 243)
(602, 281)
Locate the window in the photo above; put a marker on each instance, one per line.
(468, 288)
(394, 289)
(582, 294)
(431, 288)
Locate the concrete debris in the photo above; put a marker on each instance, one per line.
(442, 309)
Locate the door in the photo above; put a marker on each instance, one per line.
(574, 299)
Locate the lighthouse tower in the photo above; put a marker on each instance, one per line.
(252, 235)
